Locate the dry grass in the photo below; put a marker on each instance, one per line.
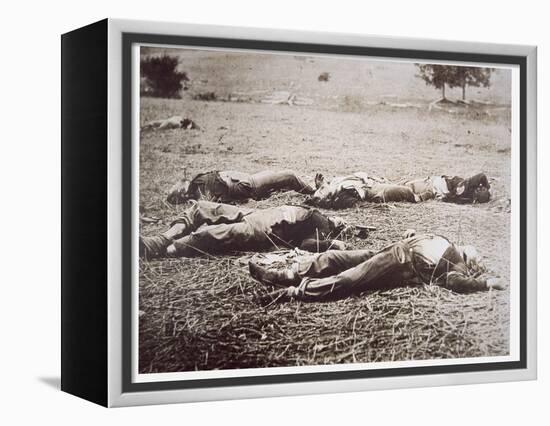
(214, 322)
(202, 313)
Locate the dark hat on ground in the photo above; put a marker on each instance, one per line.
(481, 195)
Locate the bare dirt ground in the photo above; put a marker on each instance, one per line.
(201, 313)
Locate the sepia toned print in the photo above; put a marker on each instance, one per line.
(300, 210)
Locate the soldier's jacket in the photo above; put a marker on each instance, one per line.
(438, 261)
(430, 187)
(343, 191)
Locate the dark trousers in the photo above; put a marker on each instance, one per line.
(262, 184)
(225, 230)
(338, 274)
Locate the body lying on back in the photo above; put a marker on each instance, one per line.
(342, 192)
(215, 228)
(423, 259)
(229, 186)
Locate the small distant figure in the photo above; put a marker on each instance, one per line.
(175, 122)
(205, 96)
(324, 76)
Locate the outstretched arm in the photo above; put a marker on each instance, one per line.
(460, 283)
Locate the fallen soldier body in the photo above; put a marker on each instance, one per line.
(175, 122)
(336, 274)
(342, 192)
(228, 186)
(212, 228)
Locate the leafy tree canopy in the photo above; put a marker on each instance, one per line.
(160, 77)
(452, 76)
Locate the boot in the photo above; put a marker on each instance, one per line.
(153, 247)
(271, 276)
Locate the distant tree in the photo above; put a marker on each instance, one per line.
(160, 77)
(471, 76)
(441, 76)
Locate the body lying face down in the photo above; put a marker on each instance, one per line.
(346, 191)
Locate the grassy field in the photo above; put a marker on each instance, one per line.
(201, 313)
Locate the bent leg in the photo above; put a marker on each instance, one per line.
(382, 269)
(209, 213)
(332, 262)
(215, 239)
(286, 180)
(200, 213)
(314, 265)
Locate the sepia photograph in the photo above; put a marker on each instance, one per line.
(307, 210)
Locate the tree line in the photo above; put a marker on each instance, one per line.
(441, 76)
(160, 77)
